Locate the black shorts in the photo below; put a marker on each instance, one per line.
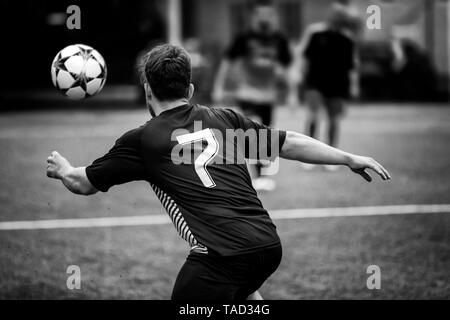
(217, 278)
(330, 87)
(333, 105)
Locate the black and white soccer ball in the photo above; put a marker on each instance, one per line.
(79, 71)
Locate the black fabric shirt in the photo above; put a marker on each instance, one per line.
(330, 56)
(208, 194)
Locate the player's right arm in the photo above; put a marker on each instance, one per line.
(74, 179)
(299, 147)
(122, 164)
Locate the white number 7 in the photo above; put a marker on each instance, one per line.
(206, 156)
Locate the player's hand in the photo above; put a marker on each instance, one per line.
(57, 166)
(359, 164)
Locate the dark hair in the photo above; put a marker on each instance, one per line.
(261, 3)
(167, 69)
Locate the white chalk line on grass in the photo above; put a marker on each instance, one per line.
(275, 214)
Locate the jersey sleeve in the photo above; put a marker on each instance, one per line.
(123, 163)
(261, 142)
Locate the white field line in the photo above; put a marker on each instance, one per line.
(275, 214)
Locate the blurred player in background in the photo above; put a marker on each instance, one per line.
(326, 59)
(260, 55)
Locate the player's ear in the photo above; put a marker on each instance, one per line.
(191, 91)
(148, 90)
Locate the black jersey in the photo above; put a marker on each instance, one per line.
(330, 56)
(184, 153)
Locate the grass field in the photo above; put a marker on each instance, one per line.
(324, 258)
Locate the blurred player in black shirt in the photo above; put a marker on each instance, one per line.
(260, 57)
(327, 60)
(193, 157)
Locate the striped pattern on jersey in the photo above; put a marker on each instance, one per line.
(178, 220)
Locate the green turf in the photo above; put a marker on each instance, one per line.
(323, 258)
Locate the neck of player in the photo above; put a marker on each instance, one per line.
(161, 106)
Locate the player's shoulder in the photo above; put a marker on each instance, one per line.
(226, 116)
(132, 137)
(225, 113)
(210, 110)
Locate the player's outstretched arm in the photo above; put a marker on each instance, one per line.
(305, 149)
(74, 179)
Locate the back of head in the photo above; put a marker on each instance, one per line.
(167, 70)
(264, 16)
(343, 16)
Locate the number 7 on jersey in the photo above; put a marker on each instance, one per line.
(206, 156)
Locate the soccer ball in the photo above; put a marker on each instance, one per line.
(78, 71)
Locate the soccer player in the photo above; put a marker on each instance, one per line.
(326, 56)
(260, 57)
(212, 203)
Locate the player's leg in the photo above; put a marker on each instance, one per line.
(264, 264)
(334, 108)
(313, 100)
(214, 278)
(202, 278)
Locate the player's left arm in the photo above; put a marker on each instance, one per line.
(296, 146)
(73, 178)
(306, 149)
